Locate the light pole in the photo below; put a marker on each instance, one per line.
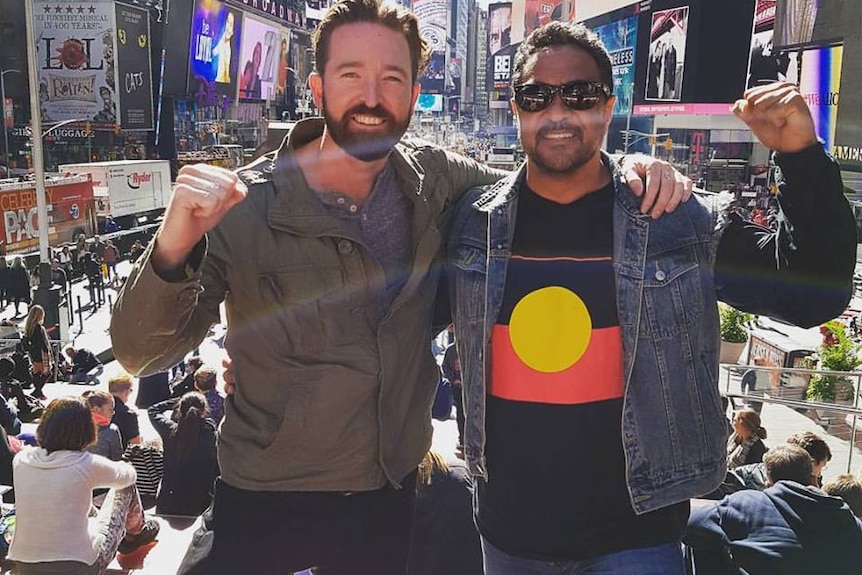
(3, 103)
(36, 124)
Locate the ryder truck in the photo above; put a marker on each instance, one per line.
(130, 191)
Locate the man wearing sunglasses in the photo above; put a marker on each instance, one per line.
(588, 331)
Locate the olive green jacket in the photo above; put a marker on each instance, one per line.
(333, 393)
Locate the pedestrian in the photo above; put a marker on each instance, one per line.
(56, 480)
(4, 282)
(111, 258)
(191, 466)
(791, 527)
(38, 348)
(588, 333)
(59, 277)
(18, 288)
(745, 445)
(125, 416)
(749, 383)
(328, 322)
(108, 441)
(85, 366)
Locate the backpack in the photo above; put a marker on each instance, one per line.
(442, 408)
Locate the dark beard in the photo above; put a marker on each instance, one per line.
(361, 146)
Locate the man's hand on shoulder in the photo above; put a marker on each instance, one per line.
(778, 115)
(660, 185)
(202, 195)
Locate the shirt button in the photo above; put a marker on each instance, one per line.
(340, 200)
(660, 275)
(345, 247)
(353, 208)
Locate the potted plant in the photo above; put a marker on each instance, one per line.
(734, 325)
(836, 353)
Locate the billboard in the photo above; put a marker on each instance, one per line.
(429, 103)
(75, 44)
(620, 38)
(282, 78)
(666, 60)
(432, 16)
(765, 63)
(134, 73)
(537, 13)
(499, 27)
(820, 84)
(258, 60)
(214, 50)
(433, 80)
(794, 21)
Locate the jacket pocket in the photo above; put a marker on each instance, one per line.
(293, 302)
(468, 269)
(672, 294)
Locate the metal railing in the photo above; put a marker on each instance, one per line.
(783, 382)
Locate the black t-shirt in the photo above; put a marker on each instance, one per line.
(556, 469)
(126, 419)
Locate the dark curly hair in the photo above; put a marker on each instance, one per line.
(376, 12)
(66, 425)
(562, 34)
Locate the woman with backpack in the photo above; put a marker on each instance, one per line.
(189, 438)
(38, 347)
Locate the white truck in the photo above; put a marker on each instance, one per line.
(127, 187)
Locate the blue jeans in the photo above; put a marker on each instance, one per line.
(659, 560)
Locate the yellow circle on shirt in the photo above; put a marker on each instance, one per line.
(550, 329)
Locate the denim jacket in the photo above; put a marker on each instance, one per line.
(673, 426)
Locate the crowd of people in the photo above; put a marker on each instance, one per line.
(583, 290)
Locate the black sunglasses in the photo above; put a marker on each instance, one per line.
(578, 95)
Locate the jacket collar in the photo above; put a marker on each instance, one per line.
(295, 206)
(506, 190)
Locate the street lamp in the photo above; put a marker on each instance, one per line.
(3, 103)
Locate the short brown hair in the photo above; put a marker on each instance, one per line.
(376, 12)
(120, 383)
(66, 425)
(96, 398)
(205, 378)
(847, 488)
(788, 462)
(813, 444)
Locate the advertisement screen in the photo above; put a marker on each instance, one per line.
(499, 27)
(432, 81)
(666, 59)
(794, 21)
(429, 103)
(537, 13)
(77, 80)
(820, 83)
(214, 50)
(765, 63)
(283, 63)
(620, 38)
(133, 66)
(258, 60)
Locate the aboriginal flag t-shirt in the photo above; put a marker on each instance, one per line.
(556, 484)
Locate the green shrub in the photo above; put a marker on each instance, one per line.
(734, 324)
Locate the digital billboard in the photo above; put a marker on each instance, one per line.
(215, 44)
(282, 77)
(620, 39)
(537, 13)
(794, 21)
(429, 103)
(433, 80)
(258, 60)
(820, 84)
(666, 59)
(765, 62)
